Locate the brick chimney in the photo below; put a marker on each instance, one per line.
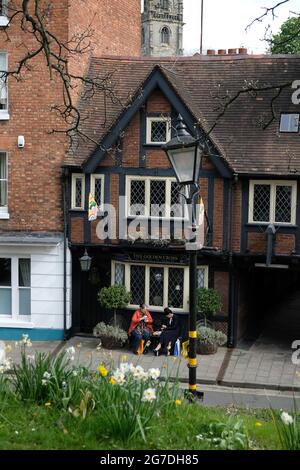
(211, 52)
(243, 50)
(222, 52)
(231, 51)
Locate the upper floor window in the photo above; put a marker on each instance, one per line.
(3, 87)
(3, 186)
(165, 35)
(273, 202)
(154, 197)
(289, 123)
(78, 191)
(158, 130)
(3, 13)
(97, 189)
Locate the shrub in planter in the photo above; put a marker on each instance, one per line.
(114, 297)
(111, 336)
(208, 340)
(208, 302)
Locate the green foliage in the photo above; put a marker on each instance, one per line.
(287, 41)
(209, 336)
(208, 301)
(114, 297)
(42, 379)
(231, 435)
(288, 428)
(102, 329)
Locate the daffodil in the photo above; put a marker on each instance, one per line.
(8, 348)
(178, 402)
(149, 395)
(286, 418)
(258, 424)
(112, 381)
(102, 370)
(48, 404)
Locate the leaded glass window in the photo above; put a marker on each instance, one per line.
(283, 204)
(158, 131)
(261, 203)
(137, 197)
(201, 278)
(157, 198)
(119, 274)
(176, 286)
(78, 191)
(156, 294)
(98, 191)
(177, 201)
(137, 284)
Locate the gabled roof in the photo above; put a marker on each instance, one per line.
(195, 83)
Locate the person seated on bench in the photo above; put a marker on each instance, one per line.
(140, 327)
(170, 333)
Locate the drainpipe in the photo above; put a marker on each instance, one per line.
(232, 324)
(64, 196)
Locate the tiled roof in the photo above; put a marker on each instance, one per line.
(198, 80)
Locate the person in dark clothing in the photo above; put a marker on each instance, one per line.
(170, 333)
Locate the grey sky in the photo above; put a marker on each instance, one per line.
(225, 22)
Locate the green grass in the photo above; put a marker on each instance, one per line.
(26, 426)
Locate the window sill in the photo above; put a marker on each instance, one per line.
(4, 116)
(3, 21)
(5, 322)
(4, 216)
(276, 224)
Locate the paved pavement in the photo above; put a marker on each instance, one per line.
(257, 366)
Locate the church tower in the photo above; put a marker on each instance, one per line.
(162, 25)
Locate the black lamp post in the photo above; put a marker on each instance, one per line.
(85, 262)
(184, 153)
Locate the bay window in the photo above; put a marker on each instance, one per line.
(157, 285)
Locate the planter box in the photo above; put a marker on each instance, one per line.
(206, 348)
(109, 342)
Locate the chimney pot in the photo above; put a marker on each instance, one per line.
(231, 51)
(222, 51)
(243, 50)
(211, 51)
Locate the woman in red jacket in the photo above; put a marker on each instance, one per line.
(140, 327)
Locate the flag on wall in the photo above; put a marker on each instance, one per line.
(93, 208)
(201, 229)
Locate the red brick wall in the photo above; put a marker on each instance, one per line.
(157, 103)
(157, 159)
(237, 217)
(77, 230)
(257, 242)
(218, 213)
(284, 244)
(34, 194)
(131, 143)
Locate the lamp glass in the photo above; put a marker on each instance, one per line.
(85, 262)
(186, 163)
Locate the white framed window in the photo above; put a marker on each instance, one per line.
(97, 189)
(15, 288)
(273, 202)
(3, 186)
(3, 13)
(3, 87)
(158, 130)
(289, 122)
(154, 197)
(78, 191)
(157, 285)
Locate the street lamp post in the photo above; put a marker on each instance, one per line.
(184, 153)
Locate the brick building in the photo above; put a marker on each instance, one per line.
(34, 279)
(249, 181)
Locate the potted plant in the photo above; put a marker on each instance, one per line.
(111, 337)
(208, 340)
(114, 297)
(209, 303)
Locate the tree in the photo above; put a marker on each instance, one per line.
(114, 297)
(287, 41)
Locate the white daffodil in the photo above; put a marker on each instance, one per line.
(70, 353)
(119, 377)
(154, 373)
(45, 382)
(139, 374)
(47, 375)
(149, 395)
(75, 373)
(286, 418)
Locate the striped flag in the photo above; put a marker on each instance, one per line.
(93, 208)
